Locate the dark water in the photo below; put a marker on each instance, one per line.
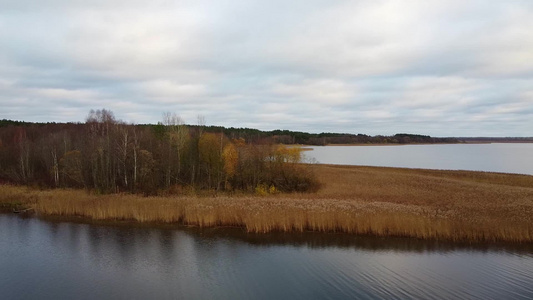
(60, 260)
(505, 158)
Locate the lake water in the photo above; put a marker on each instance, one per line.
(61, 260)
(506, 158)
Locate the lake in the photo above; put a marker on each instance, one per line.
(505, 158)
(42, 259)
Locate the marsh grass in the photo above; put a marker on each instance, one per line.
(425, 204)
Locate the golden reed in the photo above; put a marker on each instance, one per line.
(425, 204)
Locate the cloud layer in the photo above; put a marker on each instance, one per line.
(440, 67)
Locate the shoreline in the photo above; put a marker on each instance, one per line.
(457, 206)
(306, 238)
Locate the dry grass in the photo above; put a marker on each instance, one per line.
(429, 204)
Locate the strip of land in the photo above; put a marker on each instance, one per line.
(425, 204)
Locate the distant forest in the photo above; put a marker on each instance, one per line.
(287, 137)
(496, 139)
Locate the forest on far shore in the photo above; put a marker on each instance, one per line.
(289, 137)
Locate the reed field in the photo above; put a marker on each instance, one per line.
(425, 204)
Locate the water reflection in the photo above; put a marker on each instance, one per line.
(49, 259)
(164, 235)
(345, 241)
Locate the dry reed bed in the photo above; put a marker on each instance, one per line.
(451, 205)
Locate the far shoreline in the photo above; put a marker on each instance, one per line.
(423, 144)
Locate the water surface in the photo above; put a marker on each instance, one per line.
(60, 260)
(506, 158)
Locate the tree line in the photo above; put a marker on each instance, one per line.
(289, 137)
(108, 155)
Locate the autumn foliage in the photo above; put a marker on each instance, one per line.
(108, 156)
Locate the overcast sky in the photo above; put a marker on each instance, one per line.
(442, 67)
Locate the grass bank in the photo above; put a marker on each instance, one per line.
(426, 204)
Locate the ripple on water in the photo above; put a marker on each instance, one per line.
(42, 259)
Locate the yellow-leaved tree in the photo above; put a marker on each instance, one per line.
(230, 155)
(210, 147)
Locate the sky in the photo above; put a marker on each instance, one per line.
(435, 67)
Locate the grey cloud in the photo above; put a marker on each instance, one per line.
(378, 67)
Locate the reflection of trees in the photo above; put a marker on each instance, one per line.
(129, 240)
(369, 243)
